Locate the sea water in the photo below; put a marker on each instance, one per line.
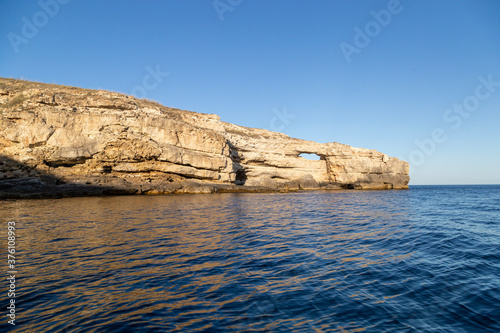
(425, 259)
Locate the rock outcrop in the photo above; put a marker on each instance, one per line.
(105, 140)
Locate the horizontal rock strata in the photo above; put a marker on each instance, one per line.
(65, 140)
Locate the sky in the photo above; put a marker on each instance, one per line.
(418, 80)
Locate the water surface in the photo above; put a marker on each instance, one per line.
(422, 260)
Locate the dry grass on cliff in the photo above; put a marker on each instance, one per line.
(19, 91)
(13, 102)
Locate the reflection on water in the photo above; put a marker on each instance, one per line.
(315, 261)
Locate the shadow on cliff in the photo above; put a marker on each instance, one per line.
(20, 181)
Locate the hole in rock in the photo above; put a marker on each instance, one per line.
(241, 177)
(308, 156)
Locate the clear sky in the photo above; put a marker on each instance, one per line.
(419, 80)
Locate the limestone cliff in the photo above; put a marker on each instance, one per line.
(57, 138)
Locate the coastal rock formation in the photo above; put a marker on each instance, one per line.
(58, 135)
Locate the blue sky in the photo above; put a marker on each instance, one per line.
(419, 80)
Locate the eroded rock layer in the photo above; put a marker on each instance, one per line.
(57, 138)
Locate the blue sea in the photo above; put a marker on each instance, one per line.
(425, 259)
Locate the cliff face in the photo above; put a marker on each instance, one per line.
(109, 140)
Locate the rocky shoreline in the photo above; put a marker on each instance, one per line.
(58, 141)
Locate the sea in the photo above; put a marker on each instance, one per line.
(425, 259)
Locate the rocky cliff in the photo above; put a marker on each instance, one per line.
(66, 140)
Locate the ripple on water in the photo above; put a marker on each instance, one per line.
(408, 261)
